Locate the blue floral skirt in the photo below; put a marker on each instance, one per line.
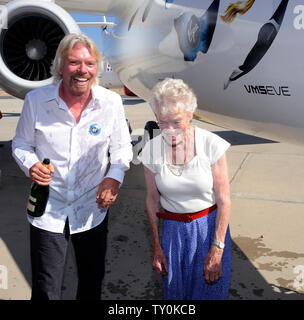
(186, 245)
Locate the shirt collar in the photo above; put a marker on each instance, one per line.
(53, 94)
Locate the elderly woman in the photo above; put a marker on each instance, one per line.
(186, 174)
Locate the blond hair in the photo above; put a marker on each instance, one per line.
(66, 44)
(172, 95)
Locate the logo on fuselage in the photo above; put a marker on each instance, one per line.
(268, 90)
(193, 31)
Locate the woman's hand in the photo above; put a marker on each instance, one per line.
(107, 192)
(159, 262)
(213, 265)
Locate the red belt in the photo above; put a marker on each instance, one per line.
(186, 217)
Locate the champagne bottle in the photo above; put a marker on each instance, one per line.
(38, 197)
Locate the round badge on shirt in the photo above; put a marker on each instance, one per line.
(95, 129)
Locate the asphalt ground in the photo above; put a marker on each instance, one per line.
(266, 220)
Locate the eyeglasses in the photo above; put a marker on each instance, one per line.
(174, 124)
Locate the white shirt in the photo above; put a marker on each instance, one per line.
(78, 151)
(192, 191)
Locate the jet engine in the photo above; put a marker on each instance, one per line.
(28, 43)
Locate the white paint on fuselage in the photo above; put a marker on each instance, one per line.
(149, 52)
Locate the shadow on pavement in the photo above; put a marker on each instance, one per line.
(237, 138)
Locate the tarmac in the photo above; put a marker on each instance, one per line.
(267, 224)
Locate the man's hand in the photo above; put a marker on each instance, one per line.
(107, 192)
(42, 174)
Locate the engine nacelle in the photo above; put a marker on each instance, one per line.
(28, 45)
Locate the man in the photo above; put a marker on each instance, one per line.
(76, 124)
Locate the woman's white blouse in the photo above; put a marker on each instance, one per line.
(192, 191)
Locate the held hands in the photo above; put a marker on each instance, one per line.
(213, 265)
(42, 174)
(107, 192)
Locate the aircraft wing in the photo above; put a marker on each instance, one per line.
(97, 24)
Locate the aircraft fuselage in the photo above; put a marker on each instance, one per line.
(247, 73)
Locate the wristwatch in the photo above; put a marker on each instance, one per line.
(219, 244)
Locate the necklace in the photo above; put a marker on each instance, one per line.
(180, 171)
(177, 170)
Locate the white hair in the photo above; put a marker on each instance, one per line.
(172, 95)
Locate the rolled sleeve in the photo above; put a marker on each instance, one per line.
(116, 172)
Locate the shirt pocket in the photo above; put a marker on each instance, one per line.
(52, 139)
